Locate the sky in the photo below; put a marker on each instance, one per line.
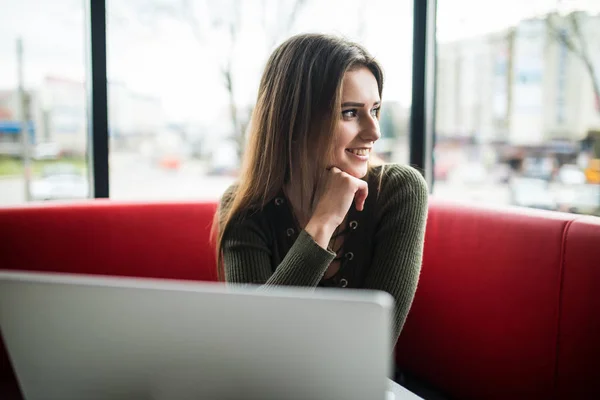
(157, 54)
(464, 18)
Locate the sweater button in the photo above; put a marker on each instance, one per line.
(349, 255)
(353, 225)
(278, 201)
(290, 231)
(343, 282)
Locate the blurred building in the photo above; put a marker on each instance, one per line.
(11, 120)
(521, 86)
(471, 88)
(57, 113)
(10, 124)
(134, 118)
(62, 115)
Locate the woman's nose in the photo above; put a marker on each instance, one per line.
(371, 130)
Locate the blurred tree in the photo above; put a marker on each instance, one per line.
(569, 31)
(220, 22)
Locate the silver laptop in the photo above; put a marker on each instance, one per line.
(81, 337)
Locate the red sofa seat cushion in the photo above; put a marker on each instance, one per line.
(161, 240)
(578, 372)
(484, 320)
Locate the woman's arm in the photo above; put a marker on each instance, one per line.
(247, 249)
(399, 236)
(247, 257)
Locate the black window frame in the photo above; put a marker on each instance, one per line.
(97, 99)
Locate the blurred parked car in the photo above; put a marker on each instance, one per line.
(570, 174)
(579, 199)
(224, 159)
(441, 171)
(592, 172)
(538, 167)
(501, 173)
(60, 181)
(468, 173)
(46, 151)
(531, 192)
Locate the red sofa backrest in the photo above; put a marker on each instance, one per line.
(578, 364)
(153, 240)
(500, 291)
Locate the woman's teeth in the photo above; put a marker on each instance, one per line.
(359, 152)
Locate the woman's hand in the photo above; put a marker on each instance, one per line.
(336, 194)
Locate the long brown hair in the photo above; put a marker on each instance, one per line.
(297, 109)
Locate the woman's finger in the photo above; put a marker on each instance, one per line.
(361, 195)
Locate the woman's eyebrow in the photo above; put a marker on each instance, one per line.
(355, 104)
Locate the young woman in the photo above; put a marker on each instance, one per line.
(309, 209)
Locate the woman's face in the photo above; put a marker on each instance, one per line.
(358, 126)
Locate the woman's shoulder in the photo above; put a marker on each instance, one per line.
(390, 178)
(398, 190)
(226, 202)
(227, 198)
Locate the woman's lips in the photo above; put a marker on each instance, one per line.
(359, 153)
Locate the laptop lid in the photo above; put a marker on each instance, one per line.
(90, 337)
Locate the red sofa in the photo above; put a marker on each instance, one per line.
(508, 305)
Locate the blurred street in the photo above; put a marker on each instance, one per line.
(190, 184)
(133, 178)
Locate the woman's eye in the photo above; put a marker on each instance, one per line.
(375, 112)
(349, 113)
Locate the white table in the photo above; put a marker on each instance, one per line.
(401, 393)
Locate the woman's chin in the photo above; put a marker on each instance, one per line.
(356, 170)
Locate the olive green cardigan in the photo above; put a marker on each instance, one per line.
(382, 250)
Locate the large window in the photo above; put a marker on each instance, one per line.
(42, 93)
(183, 77)
(518, 103)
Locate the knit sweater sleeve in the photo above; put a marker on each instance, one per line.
(247, 248)
(401, 214)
